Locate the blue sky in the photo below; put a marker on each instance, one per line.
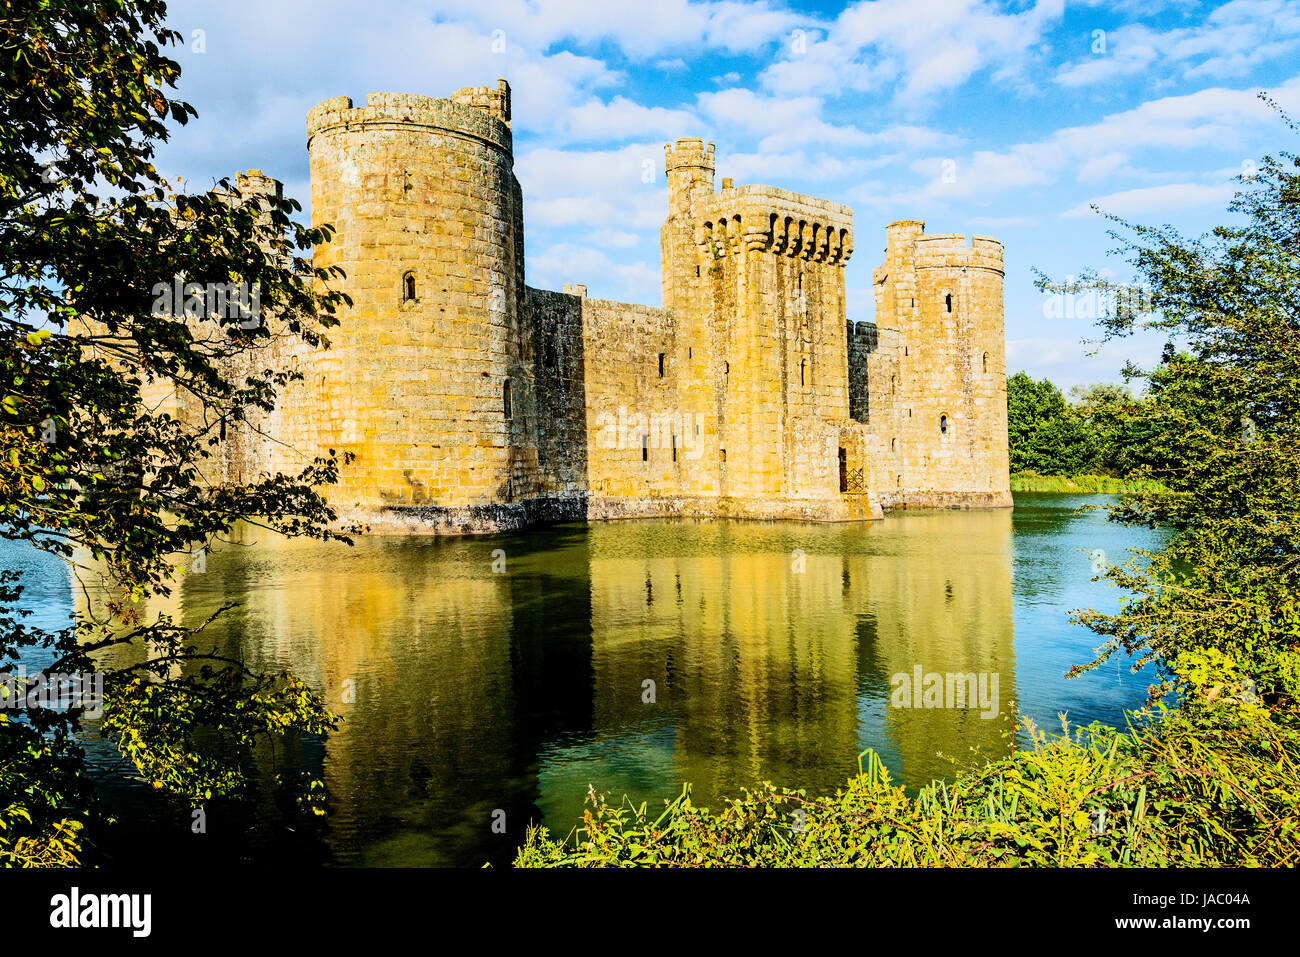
(1034, 110)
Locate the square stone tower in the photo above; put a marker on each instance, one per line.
(755, 280)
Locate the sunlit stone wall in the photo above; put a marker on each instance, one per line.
(473, 403)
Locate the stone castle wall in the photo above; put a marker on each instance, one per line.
(473, 402)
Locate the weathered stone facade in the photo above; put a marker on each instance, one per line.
(472, 402)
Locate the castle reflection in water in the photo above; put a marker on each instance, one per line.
(771, 648)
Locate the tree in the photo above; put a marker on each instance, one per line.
(1114, 420)
(88, 470)
(1219, 604)
(1045, 436)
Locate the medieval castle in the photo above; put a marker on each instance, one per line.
(473, 402)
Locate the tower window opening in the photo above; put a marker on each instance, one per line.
(803, 373)
(947, 303)
(674, 446)
(645, 448)
(726, 367)
(661, 365)
(943, 424)
(505, 398)
(986, 362)
(893, 445)
(893, 382)
(697, 272)
(408, 287)
(722, 456)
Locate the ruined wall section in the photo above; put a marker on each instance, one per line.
(282, 440)
(945, 298)
(417, 386)
(262, 443)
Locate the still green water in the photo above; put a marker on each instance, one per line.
(771, 648)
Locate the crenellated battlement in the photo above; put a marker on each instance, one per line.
(690, 168)
(688, 151)
(495, 102)
(952, 249)
(909, 244)
(477, 112)
(765, 218)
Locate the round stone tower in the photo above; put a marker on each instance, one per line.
(944, 295)
(425, 380)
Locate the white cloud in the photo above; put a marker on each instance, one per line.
(1210, 119)
(598, 189)
(253, 97)
(922, 52)
(621, 118)
(1234, 38)
(640, 30)
(1100, 167)
(1151, 199)
(1067, 361)
(784, 123)
(553, 266)
(614, 239)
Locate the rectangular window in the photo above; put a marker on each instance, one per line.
(645, 448)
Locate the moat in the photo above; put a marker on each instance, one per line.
(771, 648)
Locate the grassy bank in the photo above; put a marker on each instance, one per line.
(1080, 484)
(1217, 788)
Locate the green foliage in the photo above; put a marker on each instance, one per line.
(91, 473)
(1043, 437)
(1101, 431)
(1167, 795)
(1224, 439)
